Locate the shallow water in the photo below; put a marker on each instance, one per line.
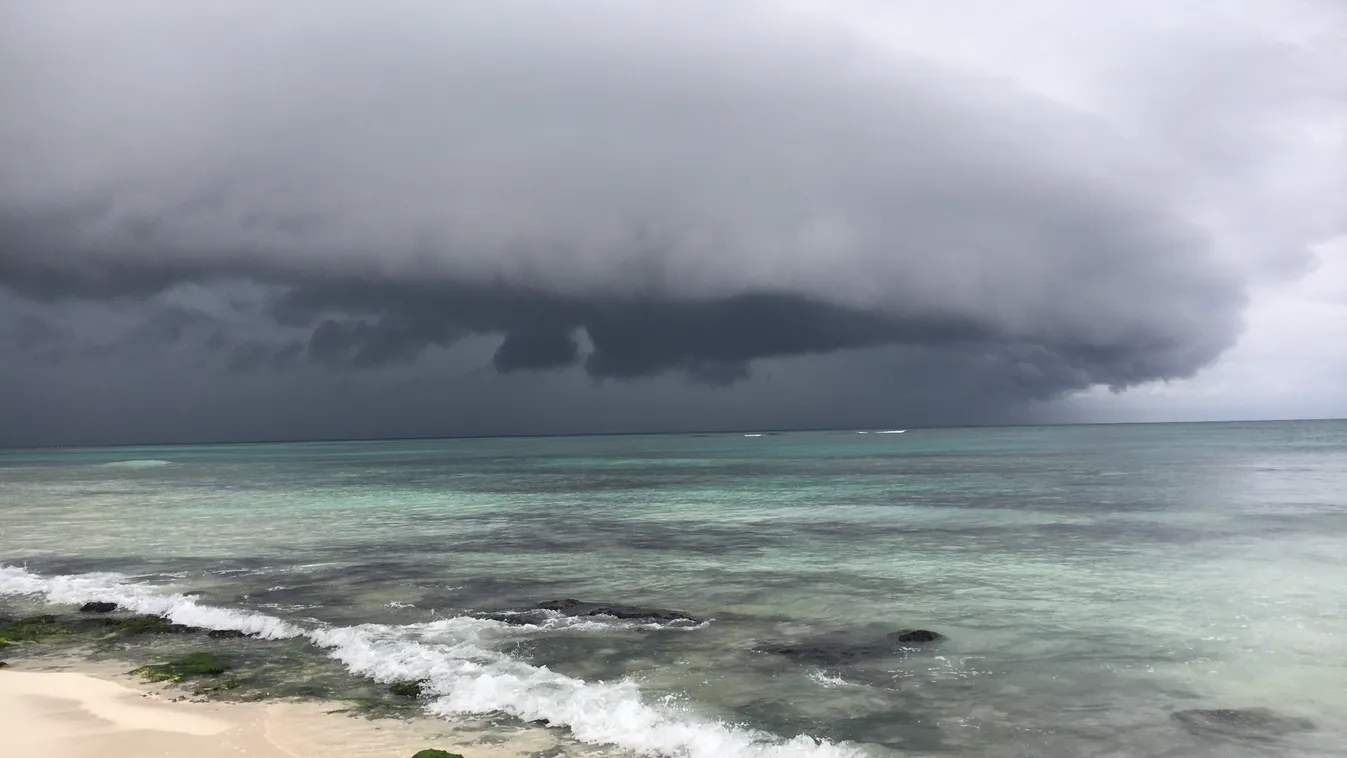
(1091, 581)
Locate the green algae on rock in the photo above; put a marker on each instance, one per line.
(187, 667)
(49, 627)
(406, 689)
(151, 625)
(32, 629)
(436, 754)
(215, 686)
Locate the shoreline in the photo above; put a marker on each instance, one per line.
(73, 708)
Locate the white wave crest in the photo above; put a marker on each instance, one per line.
(827, 679)
(453, 657)
(462, 671)
(76, 589)
(137, 464)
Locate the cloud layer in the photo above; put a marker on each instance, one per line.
(639, 188)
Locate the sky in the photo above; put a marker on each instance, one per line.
(238, 220)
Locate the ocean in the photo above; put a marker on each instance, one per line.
(1130, 590)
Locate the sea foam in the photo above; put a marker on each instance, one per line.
(76, 589)
(463, 672)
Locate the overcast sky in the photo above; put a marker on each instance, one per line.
(245, 220)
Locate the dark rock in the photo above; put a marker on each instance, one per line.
(406, 689)
(436, 754)
(187, 667)
(838, 649)
(98, 607)
(152, 625)
(227, 634)
(917, 637)
(3, 665)
(1241, 723)
(578, 609)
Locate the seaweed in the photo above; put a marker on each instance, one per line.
(406, 689)
(191, 666)
(32, 629)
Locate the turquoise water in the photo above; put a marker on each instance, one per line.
(1091, 581)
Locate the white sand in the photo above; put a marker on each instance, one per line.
(61, 714)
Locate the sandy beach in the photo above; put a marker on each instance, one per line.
(97, 713)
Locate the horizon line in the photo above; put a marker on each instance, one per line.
(745, 430)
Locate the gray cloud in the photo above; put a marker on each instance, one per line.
(630, 189)
(538, 348)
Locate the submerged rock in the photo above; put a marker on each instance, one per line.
(98, 607)
(32, 629)
(834, 650)
(1241, 723)
(436, 754)
(187, 667)
(227, 634)
(570, 607)
(406, 689)
(578, 608)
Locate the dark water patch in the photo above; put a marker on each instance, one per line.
(572, 484)
(358, 565)
(843, 648)
(899, 730)
(740, 587)
(610, 653)
(406, 592)
(149, 568)
(894, 728)
(1065, 538)
(1241, 724)
(564, 531)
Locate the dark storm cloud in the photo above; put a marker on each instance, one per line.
(261, 356)
(709, 338)
(631, 188)
(540, 348)
(378, 342)
(32, 332)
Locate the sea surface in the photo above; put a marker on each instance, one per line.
(1095, 585)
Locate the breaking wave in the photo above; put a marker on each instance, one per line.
(463, 672)
(137, 464)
